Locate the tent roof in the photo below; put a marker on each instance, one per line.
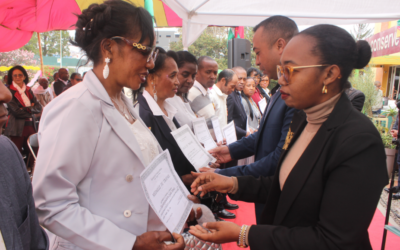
(197, 14)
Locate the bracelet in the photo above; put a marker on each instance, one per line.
(242, 237)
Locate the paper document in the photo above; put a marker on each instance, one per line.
(191, 148)
(230, 133)
(262, 105)
(217, 129)
(166, 193)
(203, 134)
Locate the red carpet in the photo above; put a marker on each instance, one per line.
(246, 215)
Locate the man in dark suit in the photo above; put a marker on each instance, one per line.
(270, 39)
(19, 226)
(62, 83)
(234, 103)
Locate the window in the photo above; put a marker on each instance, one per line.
(177, 35)
(169, 36)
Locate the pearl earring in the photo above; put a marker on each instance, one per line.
(106, 70)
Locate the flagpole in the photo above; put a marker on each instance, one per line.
(40, 53)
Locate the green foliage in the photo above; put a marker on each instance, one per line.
(272, 83)
(50, 43)
(386, 137)
(364, 81)
(213, 43)
(361, 31)
(390, 112)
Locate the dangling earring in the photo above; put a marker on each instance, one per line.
(324, 90)
(106, 70)
(154, 91)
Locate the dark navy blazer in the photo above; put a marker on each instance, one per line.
(237, 113)
(266, 144)
(162, 132)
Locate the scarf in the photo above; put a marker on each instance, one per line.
(21, 91)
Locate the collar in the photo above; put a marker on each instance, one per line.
(96, 88)
(65, 82)
(156, 109)
(200, 87)
(218, 91)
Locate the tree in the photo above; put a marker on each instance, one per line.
(361, 31)
(17, 57)
(50, 43)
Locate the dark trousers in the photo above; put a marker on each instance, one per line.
(22, 141)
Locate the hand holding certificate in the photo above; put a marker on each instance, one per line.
(191, 148)
(230, 133)
(203, 134)
(166, 193)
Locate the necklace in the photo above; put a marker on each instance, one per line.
(123, 113)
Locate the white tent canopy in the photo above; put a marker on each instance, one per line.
(198, 14)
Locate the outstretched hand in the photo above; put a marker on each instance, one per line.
(207, 182)
(217, 232)
(221, 153)
(154, 240)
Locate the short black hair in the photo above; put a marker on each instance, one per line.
(252, 69)
(109, 19)
(227, 74)
(278, 27)
(335, 46)
(10, 72)
(54, 75)
(185, 57)
(202, 59)
(74, 74)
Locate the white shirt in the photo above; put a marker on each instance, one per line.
(158, 112)
(185, 114)
(219, 100)
(200, 101)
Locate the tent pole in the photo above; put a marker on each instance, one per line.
(40, 53)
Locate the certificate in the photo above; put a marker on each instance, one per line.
(203, 134)
(230, 133)
(166, 193)
(262, 104)
(217, 129)
(191, 147)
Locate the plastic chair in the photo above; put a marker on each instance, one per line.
(32, 143)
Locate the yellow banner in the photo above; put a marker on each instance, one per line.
(4, 68)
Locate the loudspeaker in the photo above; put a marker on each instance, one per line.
(239, 53)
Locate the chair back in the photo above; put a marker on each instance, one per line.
(33, 143)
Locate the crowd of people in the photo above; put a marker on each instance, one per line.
(312, 163)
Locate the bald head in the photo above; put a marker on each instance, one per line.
(276, 27)
(63, 74)
(43, 82)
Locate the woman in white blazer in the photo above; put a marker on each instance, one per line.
(86, 186)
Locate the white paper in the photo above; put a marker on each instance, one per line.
(217, 129)
(166, 193)
(191, 147)
(262, 104)
(203, 134)
(230, 133)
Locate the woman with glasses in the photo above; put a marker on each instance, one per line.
(22, 109)
(333, 167)
(263, 87)
(94, 146)
(159, 115)
(187, 65)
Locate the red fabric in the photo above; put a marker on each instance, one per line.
(18, 95)
(256, 96)
(239, 32)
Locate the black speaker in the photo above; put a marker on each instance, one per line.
(239, 53)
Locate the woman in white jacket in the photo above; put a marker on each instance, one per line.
(93, 145)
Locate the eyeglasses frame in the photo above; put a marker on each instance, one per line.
(279, 70)
(152, 50)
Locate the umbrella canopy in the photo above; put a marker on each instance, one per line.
(198, 14)
(19, 19)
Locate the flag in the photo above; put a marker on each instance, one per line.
(398, 28)
(239, 32)
(230, 36)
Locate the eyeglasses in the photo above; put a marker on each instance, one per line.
(151, 52)
(18, 75)
(264, 80)
(78, 79)
(287, 71)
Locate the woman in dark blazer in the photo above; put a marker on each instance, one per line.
(158, 115)
(22, 108)
(332, 169)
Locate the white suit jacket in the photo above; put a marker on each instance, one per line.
(87, 186)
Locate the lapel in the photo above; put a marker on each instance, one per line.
(239, 104)
(300, 172)
(266, 114)
(17, 95)
(114, 118)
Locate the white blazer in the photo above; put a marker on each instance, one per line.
(87, 186)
